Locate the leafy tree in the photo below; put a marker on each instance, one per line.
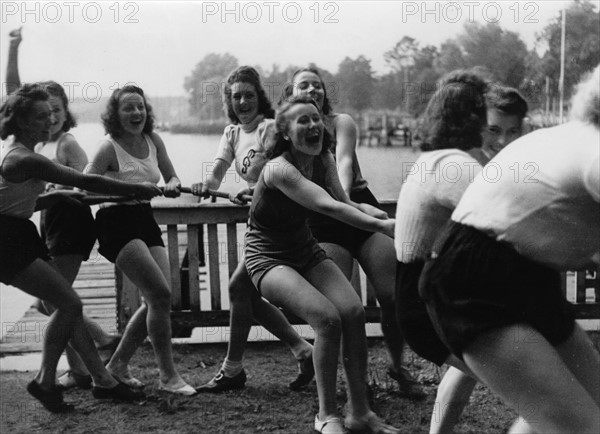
(355, 84)
(500, 51)
(205, 84)
(582, 47)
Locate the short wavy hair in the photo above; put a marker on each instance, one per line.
(280, 143)
(506, 99)
(456, 113)
(288, 89)
(110, 116)
(56, 90)
(246, 74)
(585, 104)
(18, 107)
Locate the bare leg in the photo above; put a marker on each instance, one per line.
(148, 269)
(453, 394)
(284, 287)
(533, 378)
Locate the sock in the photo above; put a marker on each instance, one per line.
(231, 368)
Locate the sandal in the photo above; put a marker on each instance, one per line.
(52, 399)
(333, 425)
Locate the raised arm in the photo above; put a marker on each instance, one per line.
(346, 133)
(13, 82)
(172, 182)
(280, 174)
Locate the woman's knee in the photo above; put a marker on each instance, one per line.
(329, 325)
(240, 288)
(71, 304)
(159, 298)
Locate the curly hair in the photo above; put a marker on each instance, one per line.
(280, 143)
(110, 117)
(585, 104)
(456, 112)
(288, 89)
(56, 90)
(18, 107)
(506, 99)
(246, 74)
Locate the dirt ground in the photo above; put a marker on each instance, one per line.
(266, 405)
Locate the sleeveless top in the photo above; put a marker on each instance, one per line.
(280, 217)
(18, 199)
(135, 170)
(358, 182)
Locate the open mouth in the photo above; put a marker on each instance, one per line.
(313, 137)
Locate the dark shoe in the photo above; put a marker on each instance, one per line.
(409, 387)
(221, 383)
(71, 379)
(52, 400)
(120, 392)
(305, 376)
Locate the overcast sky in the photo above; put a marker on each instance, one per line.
(95, 45)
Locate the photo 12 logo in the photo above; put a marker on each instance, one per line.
(454, 12)
(270, 12)
(56, 12)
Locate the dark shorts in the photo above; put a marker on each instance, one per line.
(262, 254)
(68, 229)
(118, 225)
(476, 284)
(328, 230)
(20, 245)
(412, 315)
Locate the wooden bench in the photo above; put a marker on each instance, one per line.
(224, 225)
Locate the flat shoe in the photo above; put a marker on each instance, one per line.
(333, 425)
(221, 383)
(120, 392)
(52, 400)
(185, 390)
(305, 376)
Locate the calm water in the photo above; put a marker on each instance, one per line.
(192, 155)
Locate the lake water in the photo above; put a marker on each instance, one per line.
(193, 154)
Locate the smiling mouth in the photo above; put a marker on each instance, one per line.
(313, 138)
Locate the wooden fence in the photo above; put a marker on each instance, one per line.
(212, 257)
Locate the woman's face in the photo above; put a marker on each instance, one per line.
(39, 122)
(305, 128)
(309, 83)
(244, 100)
(60, 115)
(132, 113)
(501, 129)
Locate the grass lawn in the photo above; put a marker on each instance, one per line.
(266, 405)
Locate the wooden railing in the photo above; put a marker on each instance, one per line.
(221, 248)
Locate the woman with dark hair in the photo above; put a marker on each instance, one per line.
(130, 237)
(344, 243)
(491, 281)
(27, 116)
(288, 267)
(67, 228)
(249, 110)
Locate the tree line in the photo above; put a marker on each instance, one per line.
(415, 68)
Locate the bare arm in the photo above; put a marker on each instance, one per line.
(172, 182)
(13, 82)
(346, 133)
(22, 165)
(71, 154)
(281, 174)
